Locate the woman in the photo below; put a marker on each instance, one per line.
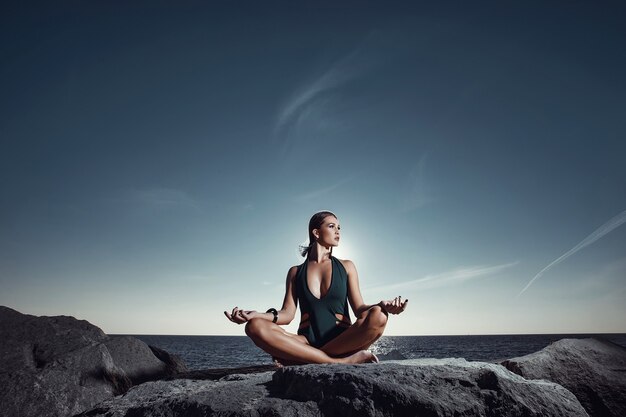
(322, 284)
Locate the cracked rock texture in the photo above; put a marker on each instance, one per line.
(594, 370)
(430, 387)
(61, 366)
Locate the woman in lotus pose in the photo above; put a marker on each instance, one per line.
(323, 284)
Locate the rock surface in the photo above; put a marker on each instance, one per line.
(60, 366)
(428, 387)
(594, 370)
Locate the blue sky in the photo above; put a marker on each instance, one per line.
(161, 161)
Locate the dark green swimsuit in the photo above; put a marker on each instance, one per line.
(323, 327)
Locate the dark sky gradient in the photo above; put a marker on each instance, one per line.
(161, 160)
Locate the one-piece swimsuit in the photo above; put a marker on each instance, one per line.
(323, 321)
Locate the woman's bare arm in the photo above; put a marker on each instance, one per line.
(354, 292)
(288, 310)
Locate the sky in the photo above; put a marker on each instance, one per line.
(161, 160)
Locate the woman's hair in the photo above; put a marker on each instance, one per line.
(315, 223)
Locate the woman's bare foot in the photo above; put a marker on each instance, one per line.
(362, 356)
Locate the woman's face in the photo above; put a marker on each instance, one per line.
(329, 232)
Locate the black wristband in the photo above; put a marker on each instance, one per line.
(273, 311)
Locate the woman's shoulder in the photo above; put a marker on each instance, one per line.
(346, 263)
(293, 271)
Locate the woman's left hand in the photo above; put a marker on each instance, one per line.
(395, 306)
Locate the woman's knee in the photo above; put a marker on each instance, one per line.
(256, 327)
(376, 317)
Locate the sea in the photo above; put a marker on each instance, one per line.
(208, 352)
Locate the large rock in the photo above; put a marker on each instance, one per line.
(427, 387)
(60, 366)
(136, 359)
(594, 370)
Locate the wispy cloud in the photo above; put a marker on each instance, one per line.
(301, 106)
(452, 277)
(311, 195)
(606, 228)
(311, 100)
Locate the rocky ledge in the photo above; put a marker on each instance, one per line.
(60, 366)
(445, 387)
(593, 370)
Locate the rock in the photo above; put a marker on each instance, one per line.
(60, 366)
(31, 342)
(183, 397)
(65, 386)
(594, 370)
(393, 354)
(430, 387)
(220, 373)
(140, 361)
(173, 364)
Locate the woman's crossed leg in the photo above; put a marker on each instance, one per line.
(349, 347)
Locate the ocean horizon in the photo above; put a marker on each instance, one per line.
(218, 351)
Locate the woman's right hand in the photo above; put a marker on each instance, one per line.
(240, 316)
